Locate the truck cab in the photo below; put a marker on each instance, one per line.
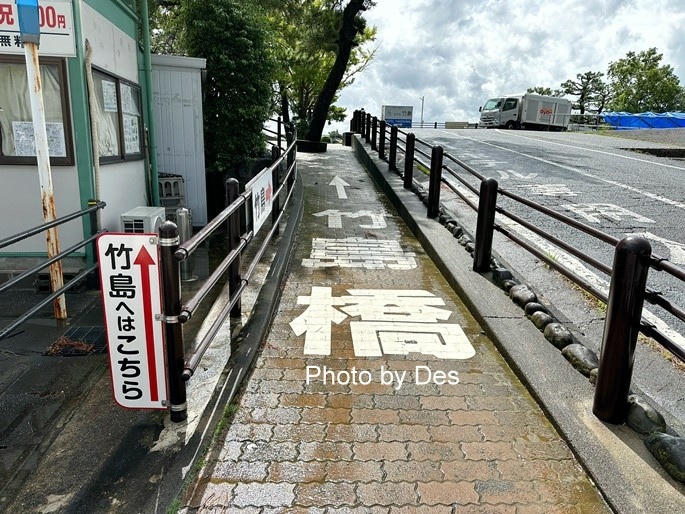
(501, 112)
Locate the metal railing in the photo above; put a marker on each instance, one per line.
(55, 295)
(633, 257)
(236, 218)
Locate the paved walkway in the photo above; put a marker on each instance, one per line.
(376, 390)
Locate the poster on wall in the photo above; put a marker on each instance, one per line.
(25, 141)
(131, 134)
(109, 96)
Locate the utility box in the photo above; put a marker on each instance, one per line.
(142, 220)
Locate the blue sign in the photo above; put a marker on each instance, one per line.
(399, 122)
(29, 25)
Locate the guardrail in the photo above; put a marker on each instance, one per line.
(632, 255)
(60, 314)
(241, 227)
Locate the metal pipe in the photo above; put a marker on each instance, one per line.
(485, 225)
(41, 228)
(381, 140)
(147, 70)
(409, 162)
(392, 159)
(232, 189)
(173, 330)
(40, 136)
(434, 182)
(621, 327)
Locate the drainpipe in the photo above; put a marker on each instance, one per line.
(147, 68)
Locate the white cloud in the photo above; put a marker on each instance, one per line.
(456, 53)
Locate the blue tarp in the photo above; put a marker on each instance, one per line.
(644, 120)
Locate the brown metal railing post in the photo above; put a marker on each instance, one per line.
(94, 221)
(434, 182)
(367, 129)
(485, 225)
(278, 139)
(381, 140)
(409, 161)
(392, 159)
(276, 179)
(232, 193)
(173, 330)
(354, 122)
(621, 327)
(374, 132)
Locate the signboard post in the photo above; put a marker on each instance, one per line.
(131, 297)
(29, 28)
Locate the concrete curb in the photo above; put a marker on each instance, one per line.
(628, 476)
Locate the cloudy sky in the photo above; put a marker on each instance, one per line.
(457, 53)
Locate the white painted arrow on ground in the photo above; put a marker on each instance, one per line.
(340, 186)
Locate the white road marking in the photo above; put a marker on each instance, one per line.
(593, 211)
(340, 186)
(653, 196)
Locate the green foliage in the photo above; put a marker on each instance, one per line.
(306, 47)
(640, 83)
(234, 37)
(590, 90)
(547, 91)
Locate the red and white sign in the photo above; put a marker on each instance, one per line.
(262, 198)
(56, 28)
(131, 296)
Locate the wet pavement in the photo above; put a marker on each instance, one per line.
(376, 390)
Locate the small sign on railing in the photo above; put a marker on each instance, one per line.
(131, 297)
(262, 188)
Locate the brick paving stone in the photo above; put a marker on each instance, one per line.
(299, 432)
(352, 433)
(253, 494)
(325, 415)
(325, 451)
(447, 493)
(303, 400)
(455, 433)
(354, 472)
(489, 451)
(481, 445)
(382, 452)
(387, 493)
(297, 472)
(403, 433)
(240, 471)
(317, 494)
(411, 471)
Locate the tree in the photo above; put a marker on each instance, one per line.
(352, 24)
(546, 91)
(166, 27)
(589, 88)
(640, 83)
(306, 48)
(233, 36)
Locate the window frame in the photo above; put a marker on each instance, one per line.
(122, 156)
(66, 114)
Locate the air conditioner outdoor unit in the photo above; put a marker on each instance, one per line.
(142, 220)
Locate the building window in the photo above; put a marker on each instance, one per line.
(118, 111)
(17, 142)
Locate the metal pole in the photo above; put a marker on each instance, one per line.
(485, 225)
(185, 232)
(279, 132)
(173, 330)
(621, 327)
(233, 191)
(409, 161)
(392, 160)
(374, 132)
(422, 99)
(44, 173)
(94, 221)
(276, 179)
(381, 141)
(434, 182)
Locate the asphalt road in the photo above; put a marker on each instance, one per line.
(601, 181)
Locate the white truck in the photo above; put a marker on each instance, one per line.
(526, 111)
